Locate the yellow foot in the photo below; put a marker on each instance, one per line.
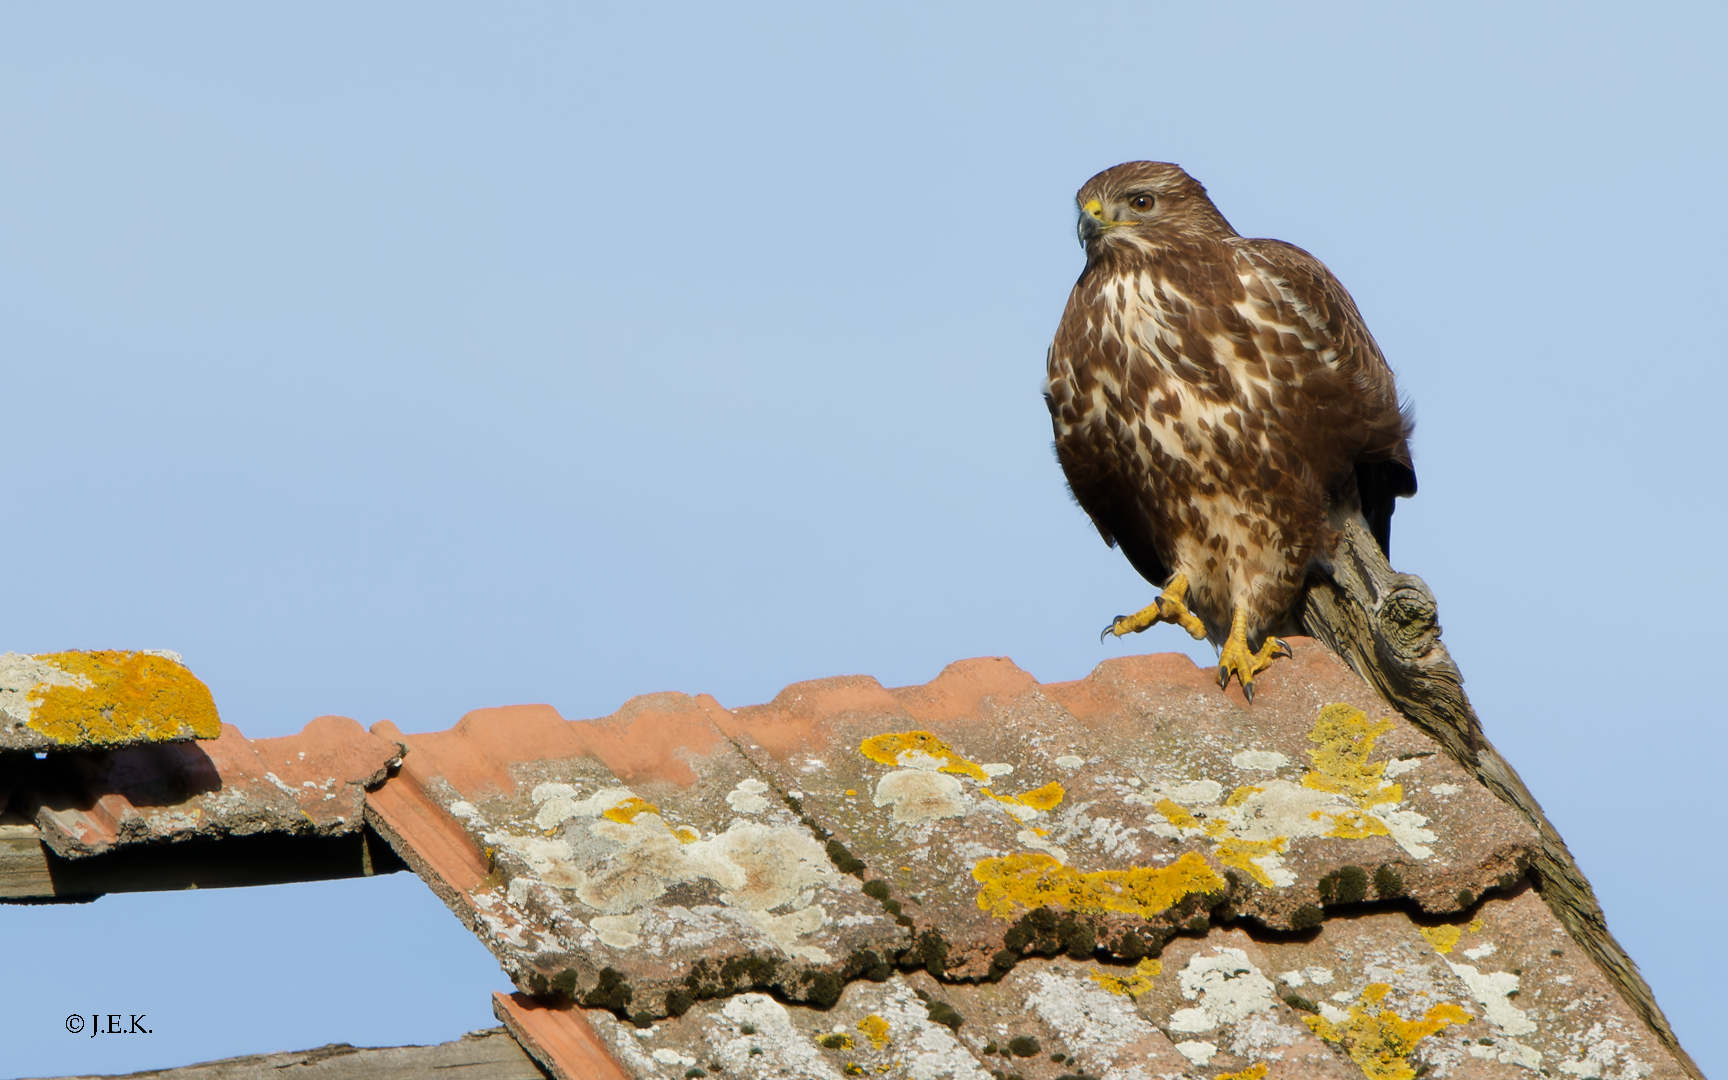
(1171, 607)
(1237, 660)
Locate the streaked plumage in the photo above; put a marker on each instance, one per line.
(1218, 404)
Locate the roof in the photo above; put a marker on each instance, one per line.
(1132, 874)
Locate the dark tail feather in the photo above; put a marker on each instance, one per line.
(1378, 484)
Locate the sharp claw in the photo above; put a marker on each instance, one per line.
(1105, 633)
(1248, 692)
(1284, 648)
(1223, 677)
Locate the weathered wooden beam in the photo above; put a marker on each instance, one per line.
(30, 872)
(1386, 626)
(480, 1055)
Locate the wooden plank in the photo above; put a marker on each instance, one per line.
(558, 1037)
(480, 1055)
(30, 872)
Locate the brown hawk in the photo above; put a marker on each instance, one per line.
(1220, 409)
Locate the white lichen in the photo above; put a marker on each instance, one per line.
(748, 797)
(1261, 760)
(1492, 990)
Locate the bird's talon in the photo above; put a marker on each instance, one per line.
(1168, 607)
(1236, 659)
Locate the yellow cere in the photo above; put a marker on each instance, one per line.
(1032, 879)
(1252, 1072)
(889, 748)
(875, 1029)
(1131, 985)
(1380, 1042)
(126, 696)
(626, 812)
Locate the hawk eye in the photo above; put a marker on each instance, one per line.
(1141, 202)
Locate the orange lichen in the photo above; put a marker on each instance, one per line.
(1131, 985)
(125, 696)
(1252, 1072)
(686, 835)
(1242, 853)
(1380, 1042)
(626, 812)
(1032, 880)
(875, 1029)
(889, 748)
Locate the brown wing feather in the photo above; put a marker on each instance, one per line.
(1376, 424)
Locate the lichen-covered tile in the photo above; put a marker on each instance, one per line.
(1500, 992)
(1110, 812)
(650, 865)
(895, 1029)
(1317, 795)
(956, 799)
(309, 784)
(101, 699)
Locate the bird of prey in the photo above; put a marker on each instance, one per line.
(1220, 411)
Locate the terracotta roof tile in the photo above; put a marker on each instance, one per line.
(1132, 869)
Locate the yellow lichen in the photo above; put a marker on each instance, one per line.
(1130, 985)
(835, 1040)
(1345, 737)
(1443, 938)
(1355, 825)
(627, 811)
(1475, 926)
(875, 1029)
(889, 748)
(1252, 1072)
(1033, 880)
(1242, 853)
(1240, 795)
(1047, 797)
(686, 835)
(125, 697)
(1175, 815)
(1380, 1042)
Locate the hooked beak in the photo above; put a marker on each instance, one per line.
(1092, 224)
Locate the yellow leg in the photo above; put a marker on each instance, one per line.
(1171, 607)
(1236, 660)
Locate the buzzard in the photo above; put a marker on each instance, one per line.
(1220, 410)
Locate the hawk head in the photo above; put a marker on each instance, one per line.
(1143, 203)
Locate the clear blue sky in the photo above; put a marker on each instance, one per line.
(395, 360)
